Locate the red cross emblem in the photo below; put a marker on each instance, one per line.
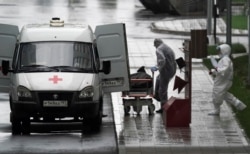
(55, 79)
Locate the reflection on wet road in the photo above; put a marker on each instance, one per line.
(67, 142)
(92, 12)
(62, 138)
(58, 137)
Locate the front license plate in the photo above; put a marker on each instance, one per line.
(61, 103)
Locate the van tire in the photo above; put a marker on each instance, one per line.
(92, 124)
(16, 125)
(97, 122)
(26, 126)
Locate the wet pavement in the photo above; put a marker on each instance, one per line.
(58, 138)
(146, 133)
(185, 25)
(135, 134)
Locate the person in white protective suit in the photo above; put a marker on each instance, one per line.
(223, 72)
(167, 69)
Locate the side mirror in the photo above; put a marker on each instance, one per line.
(106, 67)
(5, 67)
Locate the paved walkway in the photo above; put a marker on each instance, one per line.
(145, 134)
(184, 26)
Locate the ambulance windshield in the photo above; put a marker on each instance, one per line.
(56, 56)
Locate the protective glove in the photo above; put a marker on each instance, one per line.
(212, 71)
(154, 68)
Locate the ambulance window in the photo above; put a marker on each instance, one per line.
(96, 57)
(14, 60)
(69, 56)
(28, 55)
(82, 55)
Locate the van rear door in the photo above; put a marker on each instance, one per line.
(112, 46)
(8, 39)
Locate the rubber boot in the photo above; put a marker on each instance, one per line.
(216, 111)
(241, 106)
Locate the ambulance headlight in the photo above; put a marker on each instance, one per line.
(87, 93)
(23, 92)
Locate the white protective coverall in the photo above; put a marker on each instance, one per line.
(167, 68)
(223, 71)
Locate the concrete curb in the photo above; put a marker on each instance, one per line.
(175, 26)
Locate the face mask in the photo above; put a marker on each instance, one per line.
(218, 50)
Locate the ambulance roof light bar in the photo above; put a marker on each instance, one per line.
(56, 22)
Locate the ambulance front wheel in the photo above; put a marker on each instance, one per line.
(92, 124)
(16, 125)
(20, 125)
(26, 126)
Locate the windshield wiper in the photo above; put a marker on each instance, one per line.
(40, 68)
(44, 68)
(70, 69)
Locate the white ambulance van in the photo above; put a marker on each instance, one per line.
(60, 70)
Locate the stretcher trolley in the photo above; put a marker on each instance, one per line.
(139, 96)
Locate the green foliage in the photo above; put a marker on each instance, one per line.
(239, 22)
(211, 50)
(241, 91)
(239, 88)
(239, 1)
(207, 63)
(236, 48)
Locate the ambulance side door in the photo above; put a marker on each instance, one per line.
(112, 46)
(8, 39)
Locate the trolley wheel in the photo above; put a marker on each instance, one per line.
(126, 110)
(137, 109)
(151, 108)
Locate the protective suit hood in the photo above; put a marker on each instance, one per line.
(225, 49)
